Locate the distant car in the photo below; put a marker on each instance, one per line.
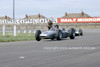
(54, 34)
(79, 32)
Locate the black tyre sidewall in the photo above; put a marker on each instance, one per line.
(58, 33)
(72, 33)
(37, 35)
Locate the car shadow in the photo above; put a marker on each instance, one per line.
(49, 40)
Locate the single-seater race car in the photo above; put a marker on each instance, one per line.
(79, 32)
(55, 34)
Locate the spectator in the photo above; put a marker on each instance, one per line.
(49, 25)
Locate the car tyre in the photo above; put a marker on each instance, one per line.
(59, 35)
(37, 35)
(72, 33)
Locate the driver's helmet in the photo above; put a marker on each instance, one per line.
(63, 28)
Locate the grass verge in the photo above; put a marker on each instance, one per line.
(20, 37)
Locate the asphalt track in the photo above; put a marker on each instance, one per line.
(84, 51)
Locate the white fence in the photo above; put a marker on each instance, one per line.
(4, 30)
(14, 31)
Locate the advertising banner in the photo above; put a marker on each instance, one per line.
(79, 20)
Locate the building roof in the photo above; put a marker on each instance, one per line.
(5, 17)
(75, 15)
(34, 16)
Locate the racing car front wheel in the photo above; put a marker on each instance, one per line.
(37, 35)
(59, 35)
(72, 33)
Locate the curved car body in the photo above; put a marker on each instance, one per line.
(52, 34)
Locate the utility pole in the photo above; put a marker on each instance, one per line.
(14, 17)
(13, 9)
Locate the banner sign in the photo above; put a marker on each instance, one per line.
(79, 20)
(11, 21)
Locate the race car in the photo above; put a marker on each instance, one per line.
(79, 32)
(54, 34)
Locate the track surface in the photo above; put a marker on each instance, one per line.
(48, 53)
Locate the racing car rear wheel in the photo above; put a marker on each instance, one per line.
(59, 35)
(72, 33)
(37, 35)
(81, 32)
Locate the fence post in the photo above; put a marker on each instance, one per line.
(3, 30)
(14, 30)
(24, 31)
(30, 31)
(19, 31)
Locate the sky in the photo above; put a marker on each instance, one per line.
(49, 8)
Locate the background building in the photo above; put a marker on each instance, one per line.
(75, 15)
(5, 17)
(34, 17)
